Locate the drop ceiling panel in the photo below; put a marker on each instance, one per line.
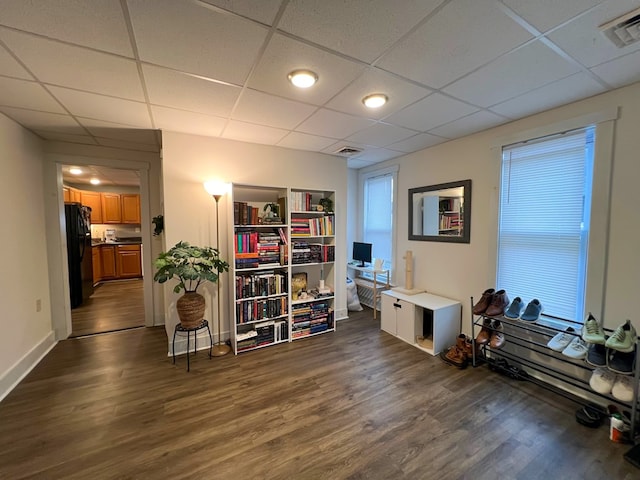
(98, 24)
(568, 89)
(304, 141)
(470, 124)
(247, 8)
(417, 142)
(237, 130)
(66, 137)
(35, 120)
(272, 111)
(583, 40)
(400, 92)
(10, 67)
(100, 107)
(433, 111)
(187, 122)
(327, 123)
(24, 94)
(169, 88)
(118, 131)
(546, 14)
(58, 64)
(284, 55)
(342, 26)
(463, 36)
(381, 134)
(190, 37)
(528, 68)
(117, 176)
(621, 71)
(375, 155)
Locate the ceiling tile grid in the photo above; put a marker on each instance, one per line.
(109, 72)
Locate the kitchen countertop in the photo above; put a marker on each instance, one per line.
(95, 242)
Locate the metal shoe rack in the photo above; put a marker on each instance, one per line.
(514, 337)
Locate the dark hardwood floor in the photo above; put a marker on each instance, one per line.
(355, 404)
(115, 305)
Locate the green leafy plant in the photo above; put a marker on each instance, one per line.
(327, 204)
(191, 265)
(272, 207)
(158, 225)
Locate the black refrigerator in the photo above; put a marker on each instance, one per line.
(78, 220)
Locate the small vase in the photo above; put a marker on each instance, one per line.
(190, 307)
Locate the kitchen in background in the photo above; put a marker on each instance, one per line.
(112, 196)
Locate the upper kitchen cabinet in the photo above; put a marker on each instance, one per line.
(71, 194)
(130, 203)
(93, 200)
(111, 208)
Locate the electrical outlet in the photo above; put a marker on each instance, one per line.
(137, 230)
(38, 305)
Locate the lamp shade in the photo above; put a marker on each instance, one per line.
(215, 187)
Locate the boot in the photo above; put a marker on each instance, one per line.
(469, 347)
(497, 336)
(485, 333)
(454, 356)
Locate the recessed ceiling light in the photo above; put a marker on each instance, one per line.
(94, 181)
(75, 171)
(303, 78)
(375, 100)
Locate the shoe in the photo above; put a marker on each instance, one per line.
(497, 339)
(589, 416)
(532, 312)
(597, 355)
(498, 303)
(469, 347)
(576, 349)
(454, 356)
(480, 307)
(562, 339)
(623, 388)
(623, 338)
(485, 333)
(602, 380)
(515, 308)
(592, 331)
(621, 362)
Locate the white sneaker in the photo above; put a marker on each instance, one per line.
(602, 380)
(576, 349)
(623, 388)
(561, 340)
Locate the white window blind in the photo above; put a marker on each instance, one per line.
(378, 216)
(545, 201)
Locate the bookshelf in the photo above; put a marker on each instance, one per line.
(282, 265)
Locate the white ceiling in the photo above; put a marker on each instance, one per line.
(109, 72)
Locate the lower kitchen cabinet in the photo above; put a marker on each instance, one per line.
(97, 264)
(112, 262)
(108, 257)
(128, 261)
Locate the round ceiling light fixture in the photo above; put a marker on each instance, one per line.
(94, 181)
(303, 78)
(75, 171)
(375, 100)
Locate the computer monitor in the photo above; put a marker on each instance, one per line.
(362, 252)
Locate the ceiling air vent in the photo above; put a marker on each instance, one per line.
(348, 151)
(624, 30)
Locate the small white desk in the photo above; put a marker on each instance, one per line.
(376, 287)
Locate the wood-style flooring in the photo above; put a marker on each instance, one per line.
(113, 306)
(354, 404)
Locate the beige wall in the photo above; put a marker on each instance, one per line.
(189, 161)
(26, 332)
(460, 271)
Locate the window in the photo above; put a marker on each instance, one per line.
(378, 217)
(543, 231)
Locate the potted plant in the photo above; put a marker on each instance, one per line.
(271, 209)
(192, 266)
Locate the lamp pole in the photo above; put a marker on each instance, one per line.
(220, 348)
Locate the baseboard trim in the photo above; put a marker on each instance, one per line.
(22, 367)
(342, 314)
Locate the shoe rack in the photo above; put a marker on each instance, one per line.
(526, 345)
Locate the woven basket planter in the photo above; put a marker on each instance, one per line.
(190, 307)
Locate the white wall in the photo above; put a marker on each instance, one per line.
(26, 332)
(460, 271)
(190, 160)
(353, 215)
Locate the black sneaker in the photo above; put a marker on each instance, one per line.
(621, 362)
(597, 355)
(589, 416)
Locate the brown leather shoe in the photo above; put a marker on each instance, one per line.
(469, 346)
(480, 307)
(485, 332)
(497, 335)
(498, 303)
(454, 356)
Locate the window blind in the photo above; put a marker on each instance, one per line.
(543, 224)
(378, 216)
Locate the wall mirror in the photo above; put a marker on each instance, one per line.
(441, 213)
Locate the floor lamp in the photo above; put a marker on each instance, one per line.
(217, 190)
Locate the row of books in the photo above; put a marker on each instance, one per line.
(304, 252)
(315, 226)
(305, 332)
(250, 241)
(448, 221)
(300, 201)
(260, 285)
(253, 310)
(245, 214)
(263, 333)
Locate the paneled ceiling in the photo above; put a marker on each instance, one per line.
(113, 72)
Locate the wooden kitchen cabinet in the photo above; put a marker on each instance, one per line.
(93, 200)
(129, 264)
(108, 257)
(111, 208)
(66, 194)
(130, 203)
(75, 195)
(97, 264)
